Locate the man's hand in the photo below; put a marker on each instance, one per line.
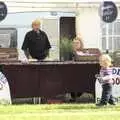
(25, 61)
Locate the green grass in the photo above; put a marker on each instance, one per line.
(59, 112)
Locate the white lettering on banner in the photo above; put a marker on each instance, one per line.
(5, 97)
(116, 85)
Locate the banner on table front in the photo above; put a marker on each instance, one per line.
(5, 97)
(116, 86)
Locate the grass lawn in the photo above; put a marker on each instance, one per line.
(59, 112)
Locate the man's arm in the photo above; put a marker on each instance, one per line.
(26, 52)
(47, 52)
(25, 45)
(48, 46)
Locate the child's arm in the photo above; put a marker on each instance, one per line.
(104, 79)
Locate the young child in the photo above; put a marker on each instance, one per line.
(106, 77)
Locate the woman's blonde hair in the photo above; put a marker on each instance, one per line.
(81, 42)
(105, 60)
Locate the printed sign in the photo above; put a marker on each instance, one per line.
(108, 11)
(116, 86)
(5, 97)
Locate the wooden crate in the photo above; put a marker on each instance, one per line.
(90, 54)
(8, 54)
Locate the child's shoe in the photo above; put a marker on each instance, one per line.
(101, 104)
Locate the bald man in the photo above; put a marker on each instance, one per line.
(36, 44)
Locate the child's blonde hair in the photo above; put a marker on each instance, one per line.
(105, 60)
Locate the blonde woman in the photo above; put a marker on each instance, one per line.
(77, 51)
(78, 44)
(77, 47)
(105, 62)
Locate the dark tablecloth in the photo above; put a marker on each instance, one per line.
(50, 78)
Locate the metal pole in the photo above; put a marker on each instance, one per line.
(107, 37)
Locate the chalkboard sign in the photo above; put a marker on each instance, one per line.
(3, 11)
(108, 11)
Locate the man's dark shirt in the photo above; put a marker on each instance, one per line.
(37, 44)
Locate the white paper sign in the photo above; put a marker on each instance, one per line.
(5, 40)
(5, 97)
(116, 86)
